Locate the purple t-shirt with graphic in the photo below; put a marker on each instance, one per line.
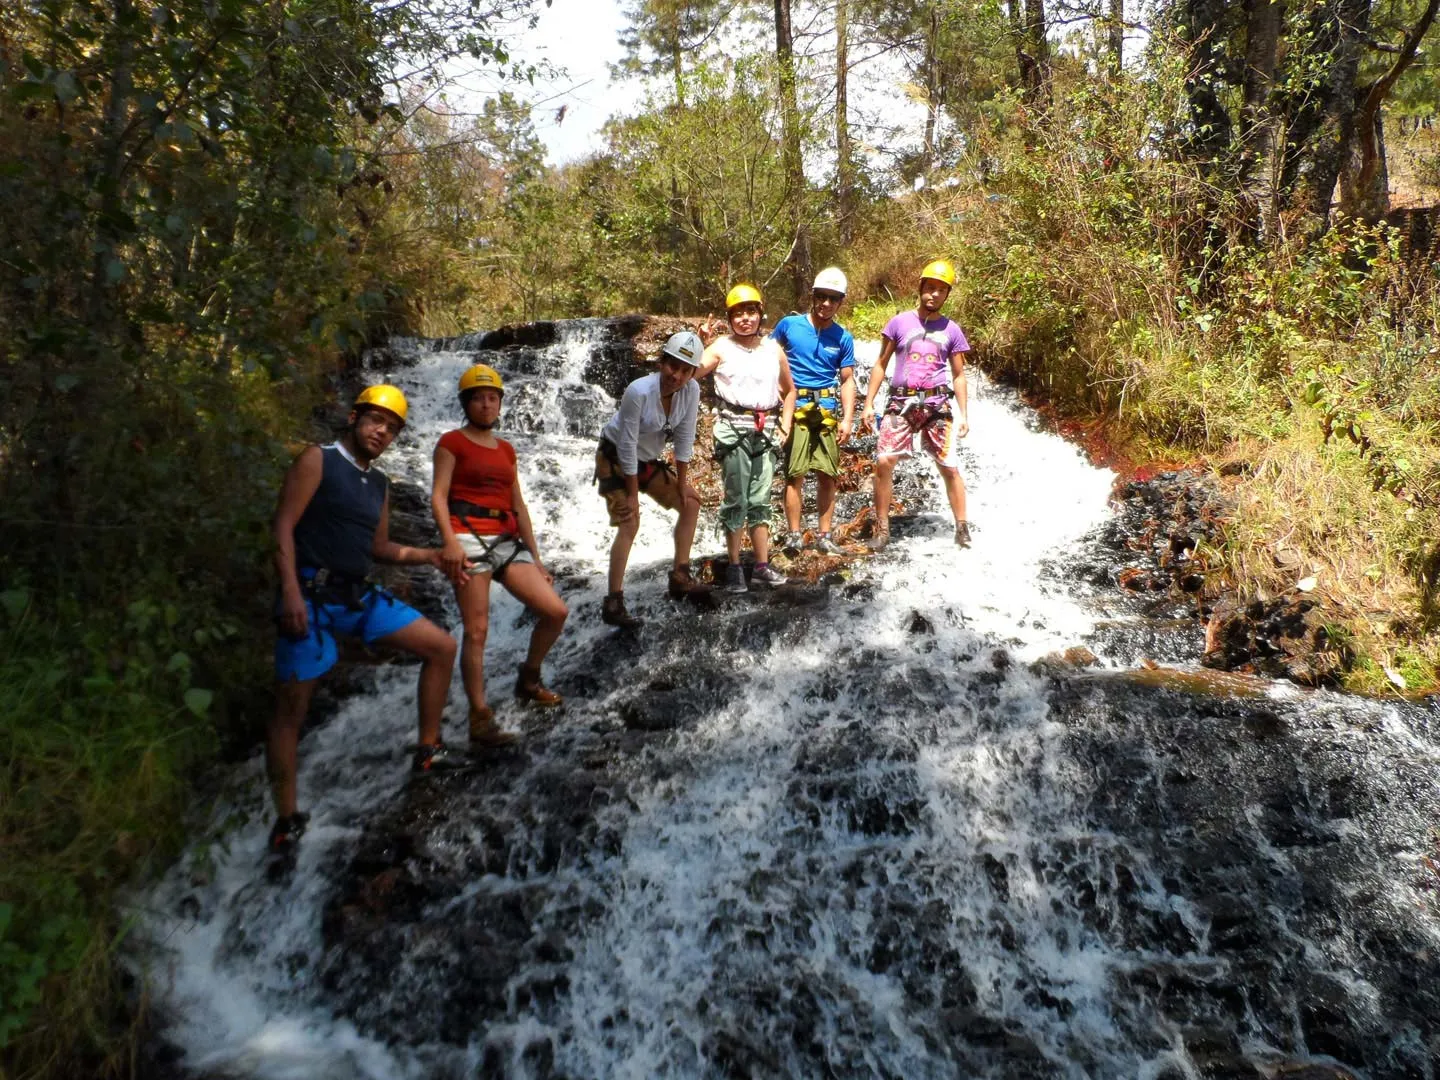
(922, 349)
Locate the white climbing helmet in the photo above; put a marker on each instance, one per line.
(831, 279)
(684, 346)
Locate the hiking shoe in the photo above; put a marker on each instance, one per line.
(880, 541)
(285, 834)
(435, 758)
(485, 734)
(766, 574)
(962, 534)
(735, 579)
(826, 546)
(683, 585)
(529, 688)
(613, 613)
(794, 544)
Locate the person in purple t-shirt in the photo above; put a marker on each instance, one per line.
(929, 400)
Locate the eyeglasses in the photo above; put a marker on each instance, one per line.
(827, 298)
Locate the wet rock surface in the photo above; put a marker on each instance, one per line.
(1149, 569)
(773, 838)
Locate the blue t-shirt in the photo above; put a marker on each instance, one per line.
(815, 358)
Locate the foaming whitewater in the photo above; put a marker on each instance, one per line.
(843, 832)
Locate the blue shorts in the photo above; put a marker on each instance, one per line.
(379, 616)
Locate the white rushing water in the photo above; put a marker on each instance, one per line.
(740, 887)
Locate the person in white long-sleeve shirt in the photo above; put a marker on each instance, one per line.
(656, 409)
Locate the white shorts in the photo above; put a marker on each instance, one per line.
(502, 551)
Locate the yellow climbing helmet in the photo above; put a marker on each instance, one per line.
(389, 398)
(939, 270)
(742, 294)
(481, 376)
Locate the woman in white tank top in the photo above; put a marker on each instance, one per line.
(752, 376)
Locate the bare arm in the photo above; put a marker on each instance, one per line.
(527, 530)
(847, 403)
(877, 376)
(961, 386)
(301, 482)
(386, 550)
(452, 555)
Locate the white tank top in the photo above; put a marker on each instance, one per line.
(748, 378)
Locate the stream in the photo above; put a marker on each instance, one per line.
(848, 829)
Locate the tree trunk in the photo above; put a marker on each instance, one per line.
(1259, 126)
(932, 83)
(1210, 123)
(794, 162)
(1323, 136)
(109, 182)
(1037, 44)
(1115, 28)
(1370, 191)
(844, 164)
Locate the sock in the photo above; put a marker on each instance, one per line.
(762, 565)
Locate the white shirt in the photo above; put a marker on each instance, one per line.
(641, 428)
(748, 378)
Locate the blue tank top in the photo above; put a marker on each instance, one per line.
(337, 529)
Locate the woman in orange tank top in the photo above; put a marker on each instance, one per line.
(482, 518)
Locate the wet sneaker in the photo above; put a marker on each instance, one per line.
(794, 544)
(880, 541)
(485, 734)
(765, 574)
(528, 687)
(962, 534)
(285, 835)
(683, 585)
(735, 579)
(613, 613)
(826, 546)
(436, 758)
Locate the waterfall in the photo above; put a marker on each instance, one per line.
(843, 831)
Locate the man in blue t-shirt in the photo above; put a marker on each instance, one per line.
(822, 362)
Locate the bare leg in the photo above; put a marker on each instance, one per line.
(525, 582)
(955, 491)
(474, 602)
(794, 502)
(684, 528)
(436, 650)
(625, 534)
(884, 489)
(282, 739)
(732, 545)
(825, 500)
(760, 541)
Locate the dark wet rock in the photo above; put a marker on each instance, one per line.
(1285, 638)
(534, 335)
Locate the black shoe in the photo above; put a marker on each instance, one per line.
(962, 534)
(283, 848)
(613, 613)
(436, 758)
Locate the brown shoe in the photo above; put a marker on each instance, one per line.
(683, 585)
(529, 688)
(880, 541)
(485, 733)
(613, 613)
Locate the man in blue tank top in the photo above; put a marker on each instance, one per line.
(822, 362)
(332, 523)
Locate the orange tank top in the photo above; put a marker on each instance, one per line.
(484, 476)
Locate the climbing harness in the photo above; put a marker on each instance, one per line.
(645, 473)
(917, 405)
(757, 442)
(510, 530)
(816, 404)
